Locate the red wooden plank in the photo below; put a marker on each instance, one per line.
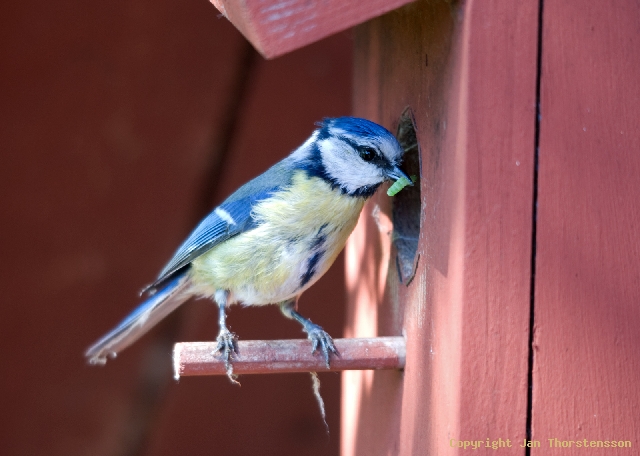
(289, 355)
(276, 27)
(468, 71)
(587, 364)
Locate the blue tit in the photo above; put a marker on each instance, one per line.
(274, 237)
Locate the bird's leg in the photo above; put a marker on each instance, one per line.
(227, 341)
(318, 336)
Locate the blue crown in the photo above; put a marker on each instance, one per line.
(353, 125)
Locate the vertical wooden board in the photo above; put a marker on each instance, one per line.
(499, 118)
(587, 372)
(468, 71)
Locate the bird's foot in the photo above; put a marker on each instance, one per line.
(228, 347)
(321, 339)
(227, 344)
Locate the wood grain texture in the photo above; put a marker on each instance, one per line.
(279, 26)
(587, 366)
(289, 355)
(469, 73)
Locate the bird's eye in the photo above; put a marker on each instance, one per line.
(367, 153)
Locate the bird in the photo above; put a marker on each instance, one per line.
(273, 238)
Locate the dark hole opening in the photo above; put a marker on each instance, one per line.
(406, 204)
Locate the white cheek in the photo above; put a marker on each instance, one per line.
(347, 168)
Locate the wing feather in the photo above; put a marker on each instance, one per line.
(229, 219)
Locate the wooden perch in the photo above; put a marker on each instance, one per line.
(277, 356)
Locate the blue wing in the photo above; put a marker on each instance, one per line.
(229, 219)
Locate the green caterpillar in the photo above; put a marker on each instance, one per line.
(400, 184)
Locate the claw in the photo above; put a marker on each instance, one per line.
(227, 345)
(318, 336)
(321, 339)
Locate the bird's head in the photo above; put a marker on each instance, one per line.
(354, 154)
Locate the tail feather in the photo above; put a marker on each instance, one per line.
(141, 320)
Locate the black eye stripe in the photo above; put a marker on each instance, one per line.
(368, 153)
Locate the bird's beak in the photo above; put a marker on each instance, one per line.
(396, 173)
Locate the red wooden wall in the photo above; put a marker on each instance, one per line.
(115, 119)
(586, 381)
(123, 123)
(503, 249)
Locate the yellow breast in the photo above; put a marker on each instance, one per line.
(268, 263)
